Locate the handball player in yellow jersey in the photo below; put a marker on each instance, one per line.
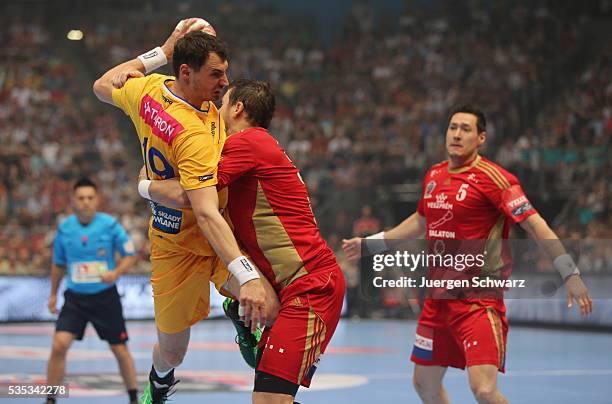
(181, 135)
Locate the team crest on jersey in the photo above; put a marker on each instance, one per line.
(429, 189)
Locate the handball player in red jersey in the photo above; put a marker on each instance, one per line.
(468, 197)
(270, 211)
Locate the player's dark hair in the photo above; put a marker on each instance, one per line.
(481, 120)
(193, 50)
(258, 100)
(84, 182)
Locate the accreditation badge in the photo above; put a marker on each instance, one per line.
(88, 271)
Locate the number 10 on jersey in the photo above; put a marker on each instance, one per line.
(150, 162)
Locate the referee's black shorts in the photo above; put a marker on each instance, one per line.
(103, 309)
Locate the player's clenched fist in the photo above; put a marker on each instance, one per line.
(121, 78)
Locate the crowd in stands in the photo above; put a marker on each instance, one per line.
(52, 134)
(357, 113)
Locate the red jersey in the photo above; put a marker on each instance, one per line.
(475, 202)
(270, 209)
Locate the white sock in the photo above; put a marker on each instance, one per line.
(161, 375)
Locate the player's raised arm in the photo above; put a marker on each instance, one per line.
(138, 67)
(547, 239)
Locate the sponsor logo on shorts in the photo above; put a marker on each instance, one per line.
(423, 342)
(207, 177)
(166, 219)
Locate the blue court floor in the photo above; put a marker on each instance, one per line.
(367, 362)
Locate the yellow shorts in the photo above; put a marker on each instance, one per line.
(181, 288)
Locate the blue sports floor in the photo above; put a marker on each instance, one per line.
(367, 362)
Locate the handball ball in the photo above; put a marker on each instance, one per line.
(200, 25)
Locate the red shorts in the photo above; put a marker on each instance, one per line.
(310, 311)
(461, 333)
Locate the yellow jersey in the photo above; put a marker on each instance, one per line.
(176, 140)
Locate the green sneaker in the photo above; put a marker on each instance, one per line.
(246, 341)
(158, 393)
(147, 395)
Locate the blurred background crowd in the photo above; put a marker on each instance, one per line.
(362, 107)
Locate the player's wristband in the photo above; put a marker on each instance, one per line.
(143, 189)
(376, 243)
(566, 266)
(243, 270)
(153, 59)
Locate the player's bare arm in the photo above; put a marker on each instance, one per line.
(168, 192)
(117, 76)
(547, 239)
(412, 228)
(57, 273)
(205, 205)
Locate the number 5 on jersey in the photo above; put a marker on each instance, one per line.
(462, 192)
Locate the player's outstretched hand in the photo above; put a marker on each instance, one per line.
(253, 299)
(178, 33)
(52, 304)
(575, 289)
(352, 248)
(119, 79)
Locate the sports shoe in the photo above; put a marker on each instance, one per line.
(158, 391)
(247, 342)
